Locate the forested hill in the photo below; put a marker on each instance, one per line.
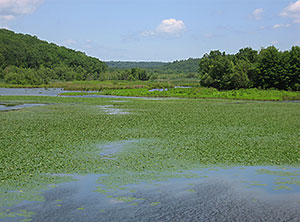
(26, 58)
(183, 66)
(190, 65)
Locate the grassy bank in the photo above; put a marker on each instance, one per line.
(100, 85)
(204, 93)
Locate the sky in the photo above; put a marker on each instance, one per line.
(156, 30)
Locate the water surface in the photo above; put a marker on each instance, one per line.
(207, 194)
(17, 106)
(112, 110)
(32, 91)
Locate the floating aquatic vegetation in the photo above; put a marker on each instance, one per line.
(154, 204)
(127, 199)
(172, 135)
(101, 190)
(277, 173)
(292, 181)
(282, 187)
(21, 213)
(258, 184)
(191, 190)
(26, 220)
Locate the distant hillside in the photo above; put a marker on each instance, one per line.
(183, 66)
(129, 65)
(26, 57)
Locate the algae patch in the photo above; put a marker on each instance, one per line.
(154, 204)
(277, 173)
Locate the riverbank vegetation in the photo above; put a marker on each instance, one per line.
(26, 60)
(203, 93)
(98, 85)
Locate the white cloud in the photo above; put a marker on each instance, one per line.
(171, 26)
(258, 13)
(9, 9)
(167, 26)
(277, 26)
(292, 11)
(275, 42)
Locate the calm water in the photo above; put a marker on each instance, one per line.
(211, 194)
(260, 193)
(31, 92)
(57, 91)
(16, 107)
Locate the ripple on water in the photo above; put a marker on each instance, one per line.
(112, 110)
(235, 193)
(32, 91)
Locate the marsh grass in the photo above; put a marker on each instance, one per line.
(204, 93)
(98, 85)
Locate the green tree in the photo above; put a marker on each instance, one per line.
(238, 78)
(294, 68)
(272, 70)
(27, 51)
(247, 54)
(215, 70)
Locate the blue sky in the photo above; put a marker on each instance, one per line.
(156, 30)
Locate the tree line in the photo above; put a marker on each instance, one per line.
(129, 65)
(126, 74)
(268, 68)
(25, 59)
(189, 66)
